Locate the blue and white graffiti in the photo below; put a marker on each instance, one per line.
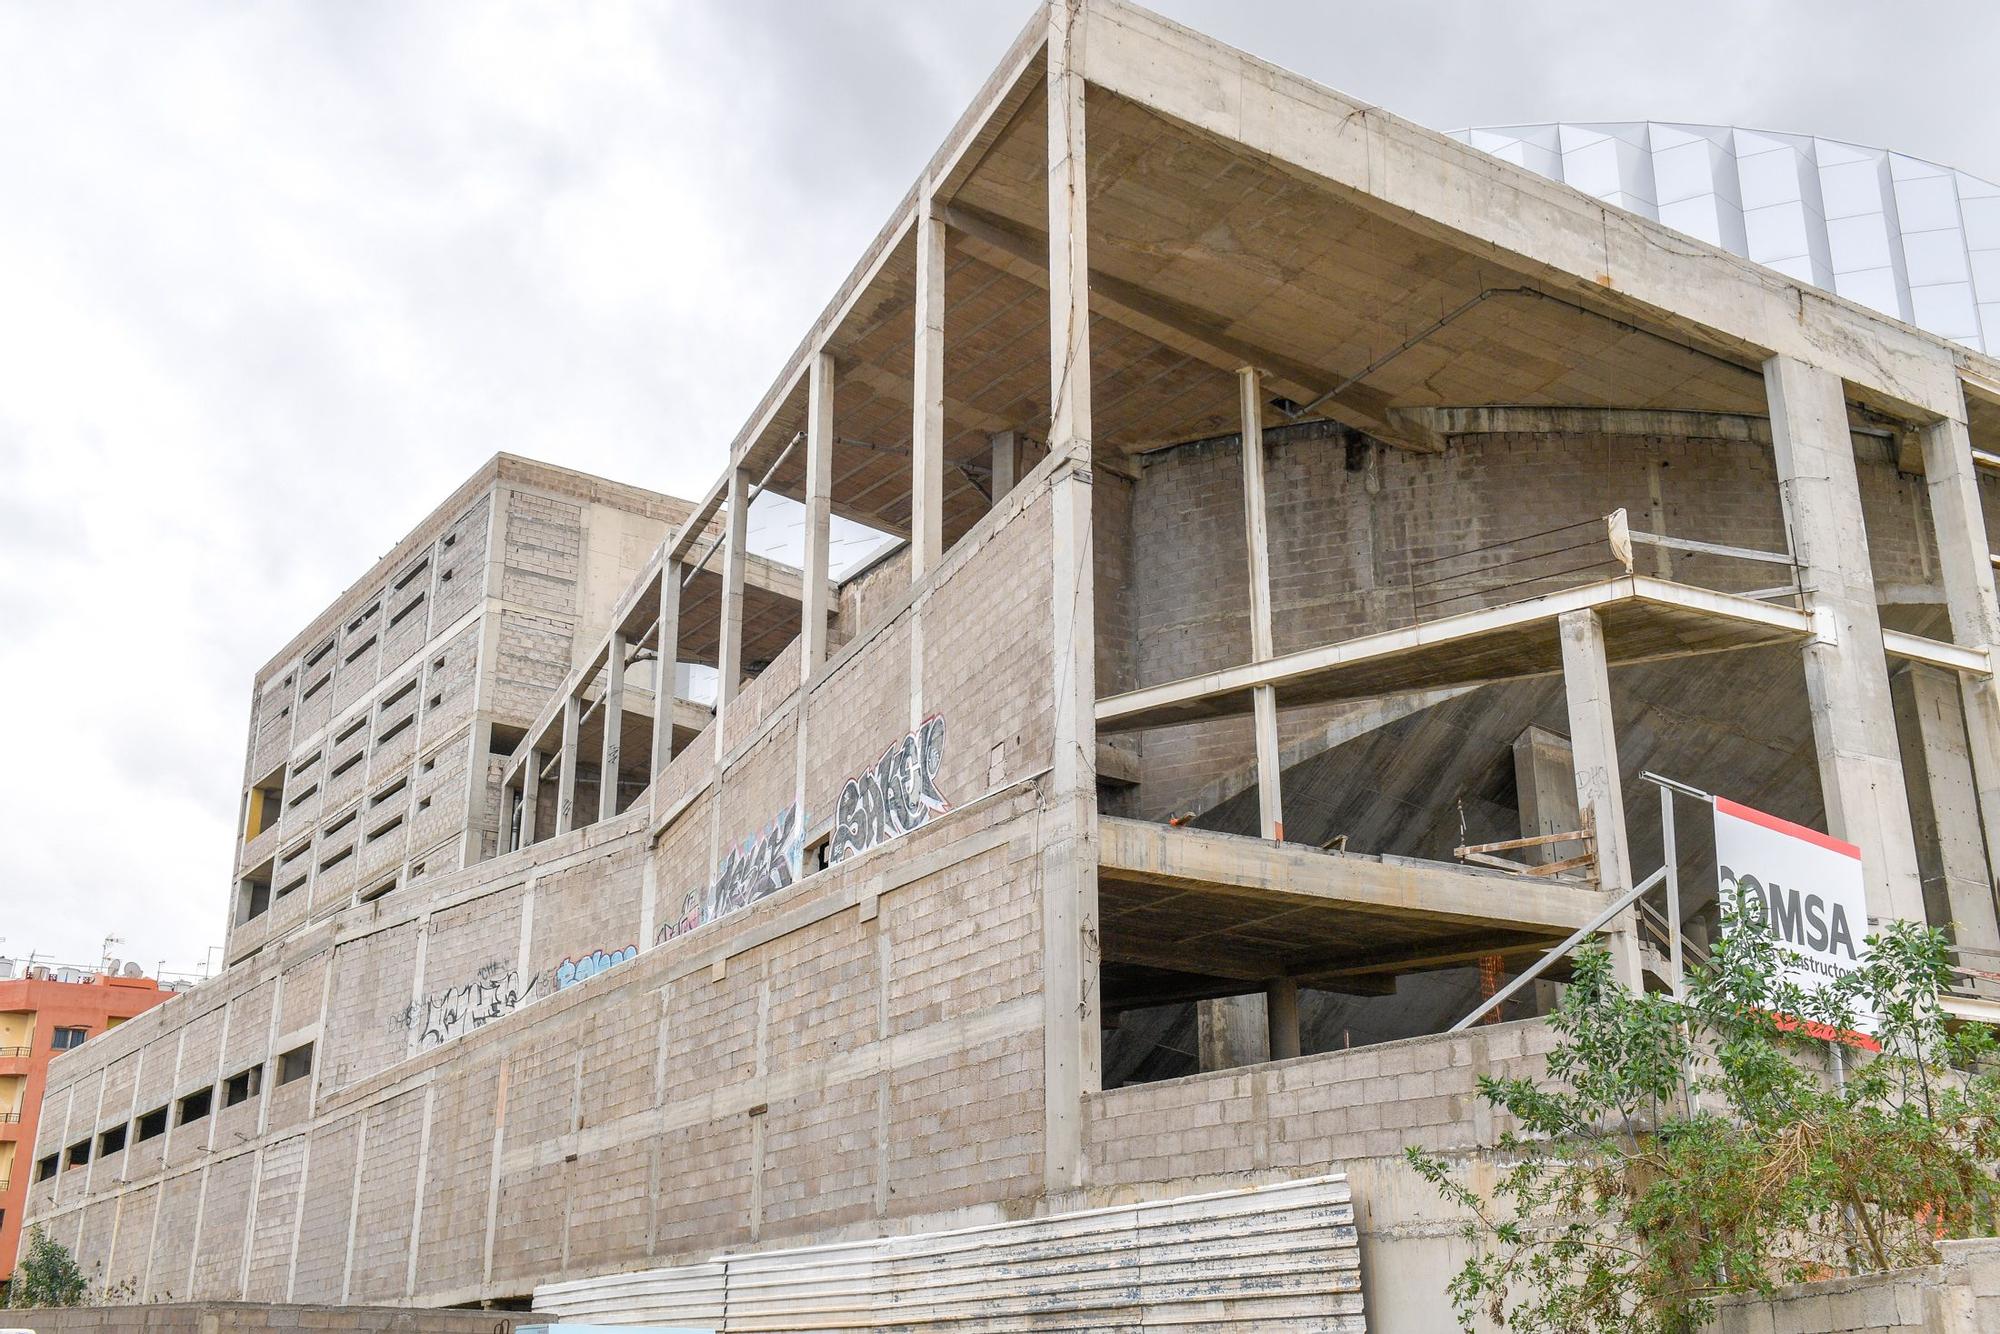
(892, 796)
(571, 971)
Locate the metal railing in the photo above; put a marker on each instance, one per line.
(10, 1118)
(1530, 565)
(16, 1051)
(1667, 924)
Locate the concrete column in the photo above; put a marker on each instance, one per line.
(666, 655)
(1006, 453)
(1281, 1010)
(1256, 529)
(729, 656)
(1965, 560)
(614, 727)
(1072, 1047)
(1944, 807)
(1847, 683)
(1545, 779)
(566, 774)
(531, 796)
(1232, 1031)
(927, 397)
(819, 515)
(1594, 760)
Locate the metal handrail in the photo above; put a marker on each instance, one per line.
(1577, 937)
(10, 1118)
(16, 1051)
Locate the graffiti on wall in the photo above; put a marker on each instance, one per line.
(892, 796)
(762, 864)
(572, 971)
(494, 992)
(689, 919)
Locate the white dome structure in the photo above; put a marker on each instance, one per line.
(1910, 238)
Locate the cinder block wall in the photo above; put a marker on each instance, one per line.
(861, 1051)
(376, 714)
(1352, 526)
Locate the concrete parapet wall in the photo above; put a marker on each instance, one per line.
(1958, 1295)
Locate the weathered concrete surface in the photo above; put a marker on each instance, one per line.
(1958, 1295)
(258, 1317)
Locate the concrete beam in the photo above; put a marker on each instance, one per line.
(1539, 228)
(1847, 683)
(1287, 873)
(1185, 328)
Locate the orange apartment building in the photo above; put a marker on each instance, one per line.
(41, 1017)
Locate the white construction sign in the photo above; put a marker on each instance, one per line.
(1805, 889)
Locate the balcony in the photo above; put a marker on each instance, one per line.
(10, 1118)
(6, 1052)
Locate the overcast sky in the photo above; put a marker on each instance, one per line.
(275, 277)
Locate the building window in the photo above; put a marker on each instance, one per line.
(243, 1086)
(195, 1105)
(153, 1124)
(111, 1141)
(295, 1064)
(65, 1038)
(46, 1167)
(76, 1155)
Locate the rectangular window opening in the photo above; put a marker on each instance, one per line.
(111, 1141)
(195, 1106)
(65, 1038)
(414, 604)
(396, 728)
(359, 649)
(243, 1086)
(46, 1167)
(371, 895)
(409, 576)
(153, 1124)
(76, 1155)
(384, 831)
(295, 1064)
(346, 764)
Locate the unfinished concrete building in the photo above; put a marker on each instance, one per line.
(1291, 499)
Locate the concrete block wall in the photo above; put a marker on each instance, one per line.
(373, 713)
(858, 1051)
(1354, 526)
